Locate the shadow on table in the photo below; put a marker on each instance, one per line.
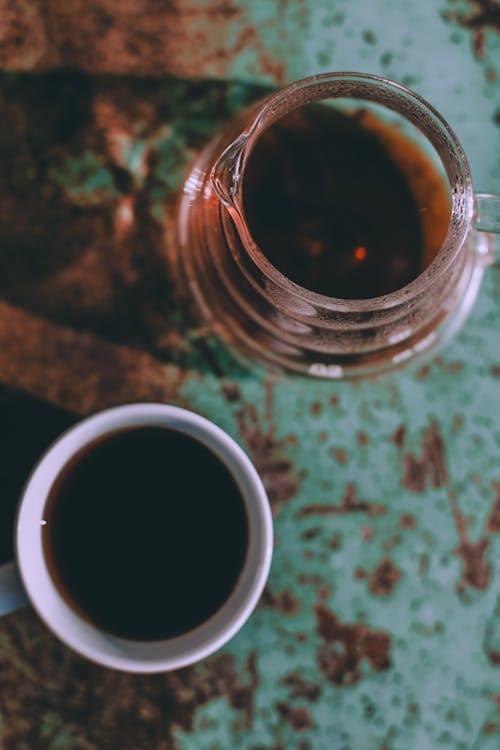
(91, 168)
(92, 309)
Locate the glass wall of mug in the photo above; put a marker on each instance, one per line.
(243, 275)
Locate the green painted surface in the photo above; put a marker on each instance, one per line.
(380, 628)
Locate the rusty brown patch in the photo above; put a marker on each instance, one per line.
(102, 708)
(304, 578)
(493, 522)
(495, 371)
(300, 687)
(322, 437)
(242, 695)
(476, 569)
(349, 504)
(491, 727)
(430, 466)
(423, 564)
(335, 541)
(231, 392)
(479, 43)
(324, 593)
(398, 437)
(457, 423)
(334, 400)
(362, 438)
(273, 68)
(267, 452)
(478, 16)
(24, 42)
(298, 717)
(360, 574)
(316, 408)
(78, 370)
(407, 521)
(348, 646)
(311, 533)
(384, 578)
(340, 455)
(422, 372)
(284, 601)
(493, 656)
(151, 39)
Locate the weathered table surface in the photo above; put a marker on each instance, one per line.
(380, 625)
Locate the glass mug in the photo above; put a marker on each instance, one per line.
(274, 321)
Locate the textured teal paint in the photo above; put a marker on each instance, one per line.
(439, 662)
(85, 179)
(440, 670)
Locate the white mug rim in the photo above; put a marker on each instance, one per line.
(87, 639)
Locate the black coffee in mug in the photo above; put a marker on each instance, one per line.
(145, 533)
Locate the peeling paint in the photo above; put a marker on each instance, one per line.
(350, 503)
(430, 466)
(348, 646)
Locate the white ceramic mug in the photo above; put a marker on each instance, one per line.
(82, 636)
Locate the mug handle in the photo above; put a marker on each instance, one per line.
(487, 218)
(12, 593)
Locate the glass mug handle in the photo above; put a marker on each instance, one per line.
(12, 594)
(487, 221)
(487, 213)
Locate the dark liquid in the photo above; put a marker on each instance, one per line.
(146, 533)
(343, 204)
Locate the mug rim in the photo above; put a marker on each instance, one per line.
(84, 637)
(266, 116)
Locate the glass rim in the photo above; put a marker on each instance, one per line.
(274, 107)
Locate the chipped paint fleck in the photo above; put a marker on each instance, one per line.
(493, 522)
(430, 467)
(300, 687)
(384, 578)
(348, 646)
(478, 16)
(284, 601)
(349, 504)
